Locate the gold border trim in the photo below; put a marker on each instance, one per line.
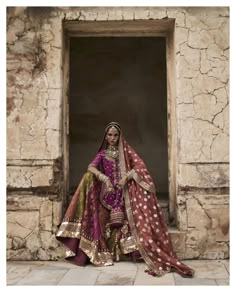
(143, 184)
(69, 229)
(142, 251)
(130, 214)
(98, 258)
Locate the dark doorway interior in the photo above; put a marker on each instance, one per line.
(119, 79)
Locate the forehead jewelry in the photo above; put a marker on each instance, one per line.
(113, 125)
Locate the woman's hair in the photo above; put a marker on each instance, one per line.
(113, 124)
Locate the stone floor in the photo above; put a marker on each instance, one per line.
(207, 272)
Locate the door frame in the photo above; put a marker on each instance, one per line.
(155, 28)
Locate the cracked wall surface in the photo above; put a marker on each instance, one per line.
(34, 125)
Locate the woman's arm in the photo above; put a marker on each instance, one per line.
(101, 177)
(93, 169)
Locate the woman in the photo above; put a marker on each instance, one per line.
(114, 212)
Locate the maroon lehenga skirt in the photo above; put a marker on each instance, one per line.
(89, 236)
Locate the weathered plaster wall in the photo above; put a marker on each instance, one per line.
(34, 119)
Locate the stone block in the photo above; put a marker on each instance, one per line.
(204, 175)
(29, 176)
(23, 202)
(178, 239)
(222, 37)
(177, 14)
(141, 13)
(53, 119)
(205, 63)
(43, 255)
(192, 58)
(181, 34)
(46, 35)
(184, 69)
(102, 14)
(48, 240)
(220, 221)
(196, 242)
(115, 14)
(57, 213)
(9, 243)
(18, 243)
(197, 217)
(33, 242)
(22, 224)
(184, 91)
(13, 142)
(54, 147)
(157, 12)
(128, 13)
(200, 39)
(20, 254)
(203, 125)
(46, 216)
(35, 149)
(16, 29)
(88, 14)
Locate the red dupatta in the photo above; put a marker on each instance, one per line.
(145, 216)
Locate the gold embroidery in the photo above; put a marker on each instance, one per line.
(101, 196)
(128, 244)
(143, 184)
(69, 229)
(98, 258)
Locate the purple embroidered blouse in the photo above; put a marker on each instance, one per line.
(110, 167)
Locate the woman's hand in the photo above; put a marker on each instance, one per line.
(109, 186)
(123, 181)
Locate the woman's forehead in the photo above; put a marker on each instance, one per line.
(113, 130)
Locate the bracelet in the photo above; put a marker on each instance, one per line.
(102, 177)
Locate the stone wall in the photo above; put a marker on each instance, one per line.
(34, 120)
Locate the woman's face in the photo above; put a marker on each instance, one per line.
(112, 136)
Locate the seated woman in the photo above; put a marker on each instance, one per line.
(115, 212)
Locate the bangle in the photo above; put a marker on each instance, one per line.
(102, 177)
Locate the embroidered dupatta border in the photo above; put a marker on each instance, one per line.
(138, 180)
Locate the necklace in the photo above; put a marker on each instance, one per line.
(112, 152)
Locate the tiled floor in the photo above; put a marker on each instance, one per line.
(207, 272)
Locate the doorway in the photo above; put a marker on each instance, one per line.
(122, 79)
